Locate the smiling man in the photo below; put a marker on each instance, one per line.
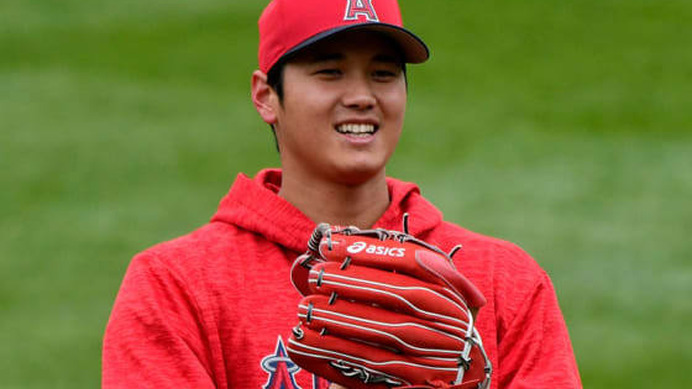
(215, 308)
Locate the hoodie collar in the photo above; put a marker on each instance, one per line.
(254, 205)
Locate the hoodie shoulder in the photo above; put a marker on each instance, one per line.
(196, 247)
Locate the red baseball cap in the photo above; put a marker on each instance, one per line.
(287, 26)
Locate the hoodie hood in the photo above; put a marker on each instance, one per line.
(254, 205)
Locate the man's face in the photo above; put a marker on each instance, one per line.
(343, 108)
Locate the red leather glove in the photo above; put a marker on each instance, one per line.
(382, 309)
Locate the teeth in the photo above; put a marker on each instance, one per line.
(356, 129)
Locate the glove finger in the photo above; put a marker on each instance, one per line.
(407, 258)
(391, 330)
(395, 292)
(349, 363)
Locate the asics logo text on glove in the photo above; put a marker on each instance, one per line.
(358, 247)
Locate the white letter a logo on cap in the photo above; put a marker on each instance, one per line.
(356, 8)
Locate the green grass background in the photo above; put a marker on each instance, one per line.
(562, 126)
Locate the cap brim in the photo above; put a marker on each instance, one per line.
(413, 48)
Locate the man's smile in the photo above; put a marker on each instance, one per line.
(357, 129)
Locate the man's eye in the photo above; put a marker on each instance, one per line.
(329, 72)
(384, 74)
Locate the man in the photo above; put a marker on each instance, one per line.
(214, 308)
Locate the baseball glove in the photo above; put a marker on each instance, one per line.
(382, 309)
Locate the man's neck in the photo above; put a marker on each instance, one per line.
(346, 205)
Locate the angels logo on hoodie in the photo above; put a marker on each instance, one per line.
(282, 371)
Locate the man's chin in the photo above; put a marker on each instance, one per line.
(358, 175)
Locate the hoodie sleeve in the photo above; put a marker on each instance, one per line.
(534, 349)
(154, 336)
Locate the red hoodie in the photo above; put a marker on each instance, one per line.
(213, 309)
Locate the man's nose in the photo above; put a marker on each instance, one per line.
(359, 94)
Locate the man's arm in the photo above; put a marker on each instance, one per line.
(153, 337)
(534, 349)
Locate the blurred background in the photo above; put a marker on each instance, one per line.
(565, 127)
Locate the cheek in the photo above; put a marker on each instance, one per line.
(395, 110)
(394, 102)
(302, 123)
(306, 106)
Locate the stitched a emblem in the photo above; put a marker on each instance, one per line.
(358, 8)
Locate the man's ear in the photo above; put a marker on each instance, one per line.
(264, 97)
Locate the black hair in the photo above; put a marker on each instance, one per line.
(275, 79)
